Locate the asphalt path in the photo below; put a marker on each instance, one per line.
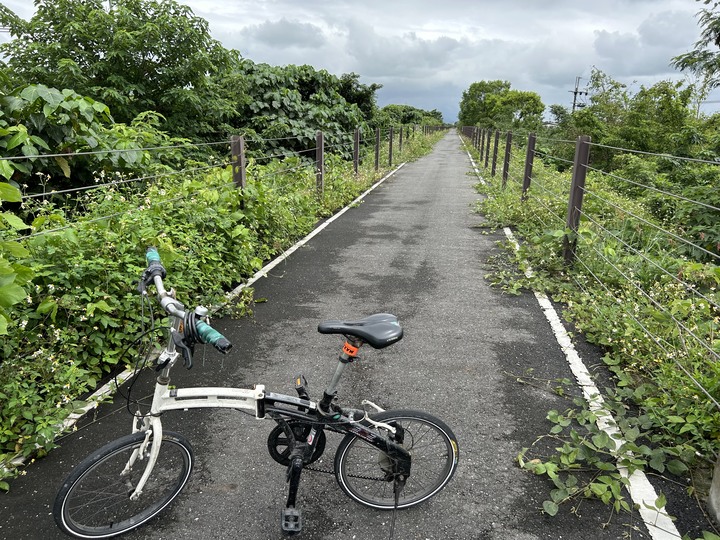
(414, 247)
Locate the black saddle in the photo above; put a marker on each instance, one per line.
(379, 330)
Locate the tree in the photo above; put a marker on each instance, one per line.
(656, 117)
(362, 95)
(287, 105)
(394, 115)
(494, 104)
(479, 101)
(704, 59)
(137, 56)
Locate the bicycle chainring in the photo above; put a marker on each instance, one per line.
(280, 447)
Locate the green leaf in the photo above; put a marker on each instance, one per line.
(64, 166)
(3, 325)
(676, 467)
(602, 440)
(14, 221)
(102, 305)
(550, 508)
(631, 434)
(658, 463)
(6, 170)
(11, 294)
(48, 305)
(14, 248)
(7, 192)
(40, 142)
(558, 495)
(16, 140)
(30, 93)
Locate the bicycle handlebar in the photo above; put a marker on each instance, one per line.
(154, 273)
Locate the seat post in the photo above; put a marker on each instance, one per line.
(348, 354)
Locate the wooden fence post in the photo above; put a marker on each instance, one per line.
(482, 144)
(320, 162)
(495, 152)
(487, 147)
(237, 148)
(377, 149)
(577, 190)
(529, 160)
(506, 162)
(390, 148)
(356, 151)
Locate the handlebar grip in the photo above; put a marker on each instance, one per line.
(152, 255)
(209, 335)
(154, 265)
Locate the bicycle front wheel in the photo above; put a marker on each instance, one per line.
(94, 501)
(432, 446)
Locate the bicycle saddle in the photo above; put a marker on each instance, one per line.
(379, 330)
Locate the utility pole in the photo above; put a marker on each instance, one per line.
(577, 92)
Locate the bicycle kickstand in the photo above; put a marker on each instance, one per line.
(291, 517)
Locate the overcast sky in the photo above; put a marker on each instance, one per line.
(425, 53)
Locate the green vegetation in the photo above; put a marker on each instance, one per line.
(668, 423)
(80, 310)
(114, 131)
(493, 104)
(644, 284)
(645, 278)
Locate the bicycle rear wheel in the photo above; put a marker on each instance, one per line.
(432, 446)
(94, 501)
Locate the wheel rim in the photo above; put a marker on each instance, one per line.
(99, 503)
(433, 462)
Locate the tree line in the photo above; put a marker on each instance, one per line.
(655, 125)
(79, 76)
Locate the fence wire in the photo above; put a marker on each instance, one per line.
(645, 247)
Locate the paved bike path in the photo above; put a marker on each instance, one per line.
(414, 248)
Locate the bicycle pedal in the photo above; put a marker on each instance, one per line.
(291, 520)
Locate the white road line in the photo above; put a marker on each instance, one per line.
(642, 492)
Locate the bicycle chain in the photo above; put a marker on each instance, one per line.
(327, 471)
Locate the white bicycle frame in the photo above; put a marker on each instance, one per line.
(169, 399)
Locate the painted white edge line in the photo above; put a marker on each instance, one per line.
(642, 492)
(95, 399)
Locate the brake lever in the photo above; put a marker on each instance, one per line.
(185, 349)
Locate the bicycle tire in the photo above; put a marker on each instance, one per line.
(94, 501)
(434, 450)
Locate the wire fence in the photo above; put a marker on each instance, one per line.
(308, 163)
(639, 252)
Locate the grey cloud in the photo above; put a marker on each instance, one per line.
(649, 50)
(400, 56)
(284, 34)
(668, 29)
(615, 45)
